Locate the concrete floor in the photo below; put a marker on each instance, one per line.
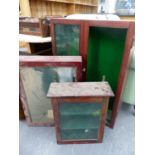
(117, 141)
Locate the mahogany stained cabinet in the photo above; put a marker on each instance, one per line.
(105, 50)
(36, 74)
(79, 110)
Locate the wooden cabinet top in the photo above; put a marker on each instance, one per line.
(80, 89)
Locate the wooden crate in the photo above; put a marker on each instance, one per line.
(34, 26)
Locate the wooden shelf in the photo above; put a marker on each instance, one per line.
(86, 4)
(40, 8)
(60, 1)
(72, 2)
(127, 18)
(79, 122)
(33, 39)
(79, 134)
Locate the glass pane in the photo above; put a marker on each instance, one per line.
(36, 81)
(80, 120)
(67, 39)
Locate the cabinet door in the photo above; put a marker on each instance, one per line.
(80, 121)
(66, 37)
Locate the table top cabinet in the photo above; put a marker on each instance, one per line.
(105, 50)
(79, 111)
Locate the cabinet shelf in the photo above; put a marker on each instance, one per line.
(80, 134)
(81, 109)
(79, 122)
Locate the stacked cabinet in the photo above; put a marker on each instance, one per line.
(105, 50)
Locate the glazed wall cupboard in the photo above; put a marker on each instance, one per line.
(105, 50)
(80, 110)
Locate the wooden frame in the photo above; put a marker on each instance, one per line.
(44, 61)
(76, 93)
(86, 24)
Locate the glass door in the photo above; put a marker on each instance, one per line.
(80, 121)
(66, 37)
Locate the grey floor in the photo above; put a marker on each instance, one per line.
(117, 141)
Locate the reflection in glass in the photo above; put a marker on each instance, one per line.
(67, 39)
(80, 121)
(36, 81)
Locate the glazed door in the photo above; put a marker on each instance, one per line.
(66, 37)
(80, 121)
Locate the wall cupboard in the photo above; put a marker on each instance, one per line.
(79, 111)
(105, 50)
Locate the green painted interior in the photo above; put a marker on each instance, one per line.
(80, 121)
(105, 52)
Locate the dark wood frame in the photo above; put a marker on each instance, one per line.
(58, 100)
(86, 24)
(51, 61)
